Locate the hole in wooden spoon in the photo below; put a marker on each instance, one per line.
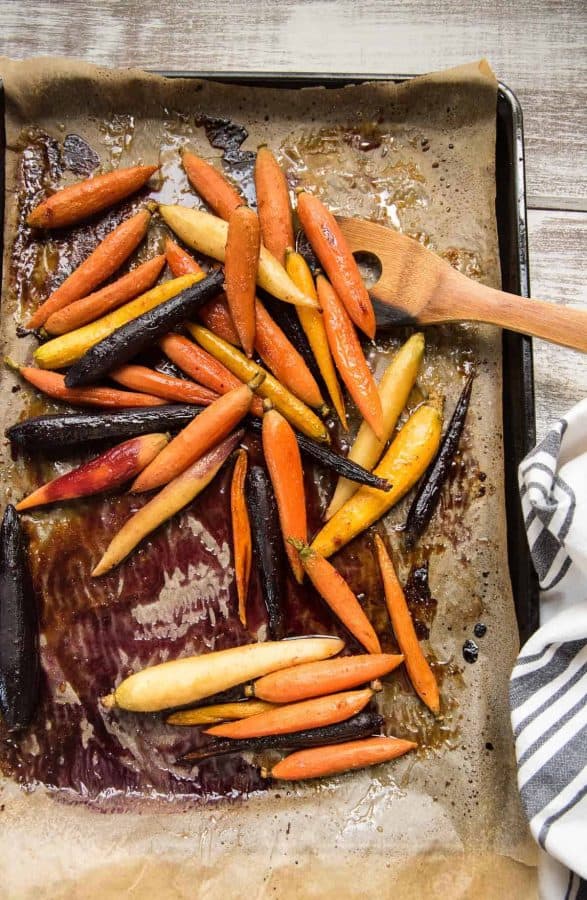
(369, 266)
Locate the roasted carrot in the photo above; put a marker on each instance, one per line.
(67, 348)
(394, 389)
(215, 314)
(211, 185)
(295, 411)
(219, 712)
(99, 265)
(312, 322)
(284, 464)
(241, 533)
(330, 760)
(89, 308)
(420, 673)
(174, 496)
(53, 384)
(328, 243)
(324, 677)
(203, 367)
(207, 234)
(84, 199)
(104, 473)
(180, 262)
(140, 378)
(337, 594)
(203, 432)
(187, 680)
(406, 460)
(282, 358)
(273, 204)
(349, 357)
(297, 716)
(241, 261)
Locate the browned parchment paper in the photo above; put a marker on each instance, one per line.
(445, 823)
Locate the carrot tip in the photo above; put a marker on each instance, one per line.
(249, 690)
(108, 702)
(11, 364)
(265, 773)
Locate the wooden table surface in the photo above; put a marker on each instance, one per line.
(537, 47)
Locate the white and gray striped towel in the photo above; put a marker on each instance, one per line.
(548, 689)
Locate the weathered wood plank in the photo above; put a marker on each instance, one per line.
(534, 46)
(558, 248)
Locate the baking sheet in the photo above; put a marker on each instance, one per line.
(420, 156)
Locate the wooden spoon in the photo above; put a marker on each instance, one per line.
(416, 287)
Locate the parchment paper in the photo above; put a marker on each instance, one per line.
(445, 823)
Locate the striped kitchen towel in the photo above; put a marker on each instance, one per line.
(548, 689)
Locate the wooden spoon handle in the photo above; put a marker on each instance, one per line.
(478, 303)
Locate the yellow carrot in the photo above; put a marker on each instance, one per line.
(313, 325)
(394, 390)
(67, 348)
(219, 712)
(405, 462)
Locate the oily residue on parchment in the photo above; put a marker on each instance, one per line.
(176, 595)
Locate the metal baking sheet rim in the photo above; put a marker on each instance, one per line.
(518, 394)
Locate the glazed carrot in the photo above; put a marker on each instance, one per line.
(349, 357)
(219, 712)
(337, 594)
(273, 204)
(312, 322)
(296, 412)
(328, 243)
(205, 430)
(284, 465)
(89, 308)
(84, 199)
(99, 265)
(406, 460)
(104, 473)
(174, 496)
(215, 314)
(67, 348)
(324, 677)
(241, 261)
(420, 673)
(297, 716)
(180, 262)
(241, 533)
(53, 384)
(330, 760)
(282, 358)
(394, 389)
(211, 185)
(140, 378)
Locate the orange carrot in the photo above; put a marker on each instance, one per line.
(330, 760)
(203, 368)
(211, 185)
(297, 716)
(215, 314)
(282, 455)
(349, 357)
(328, 243)
(335, 591)
(241, 261)
(273, 204)
(84, 199)
(282, 358)
(140, 378)
(100, 265)
(80, 312)
(420, 673)
(104, 473)
(53, 384)
(241, 533)
(324, 677)
(204, 432)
